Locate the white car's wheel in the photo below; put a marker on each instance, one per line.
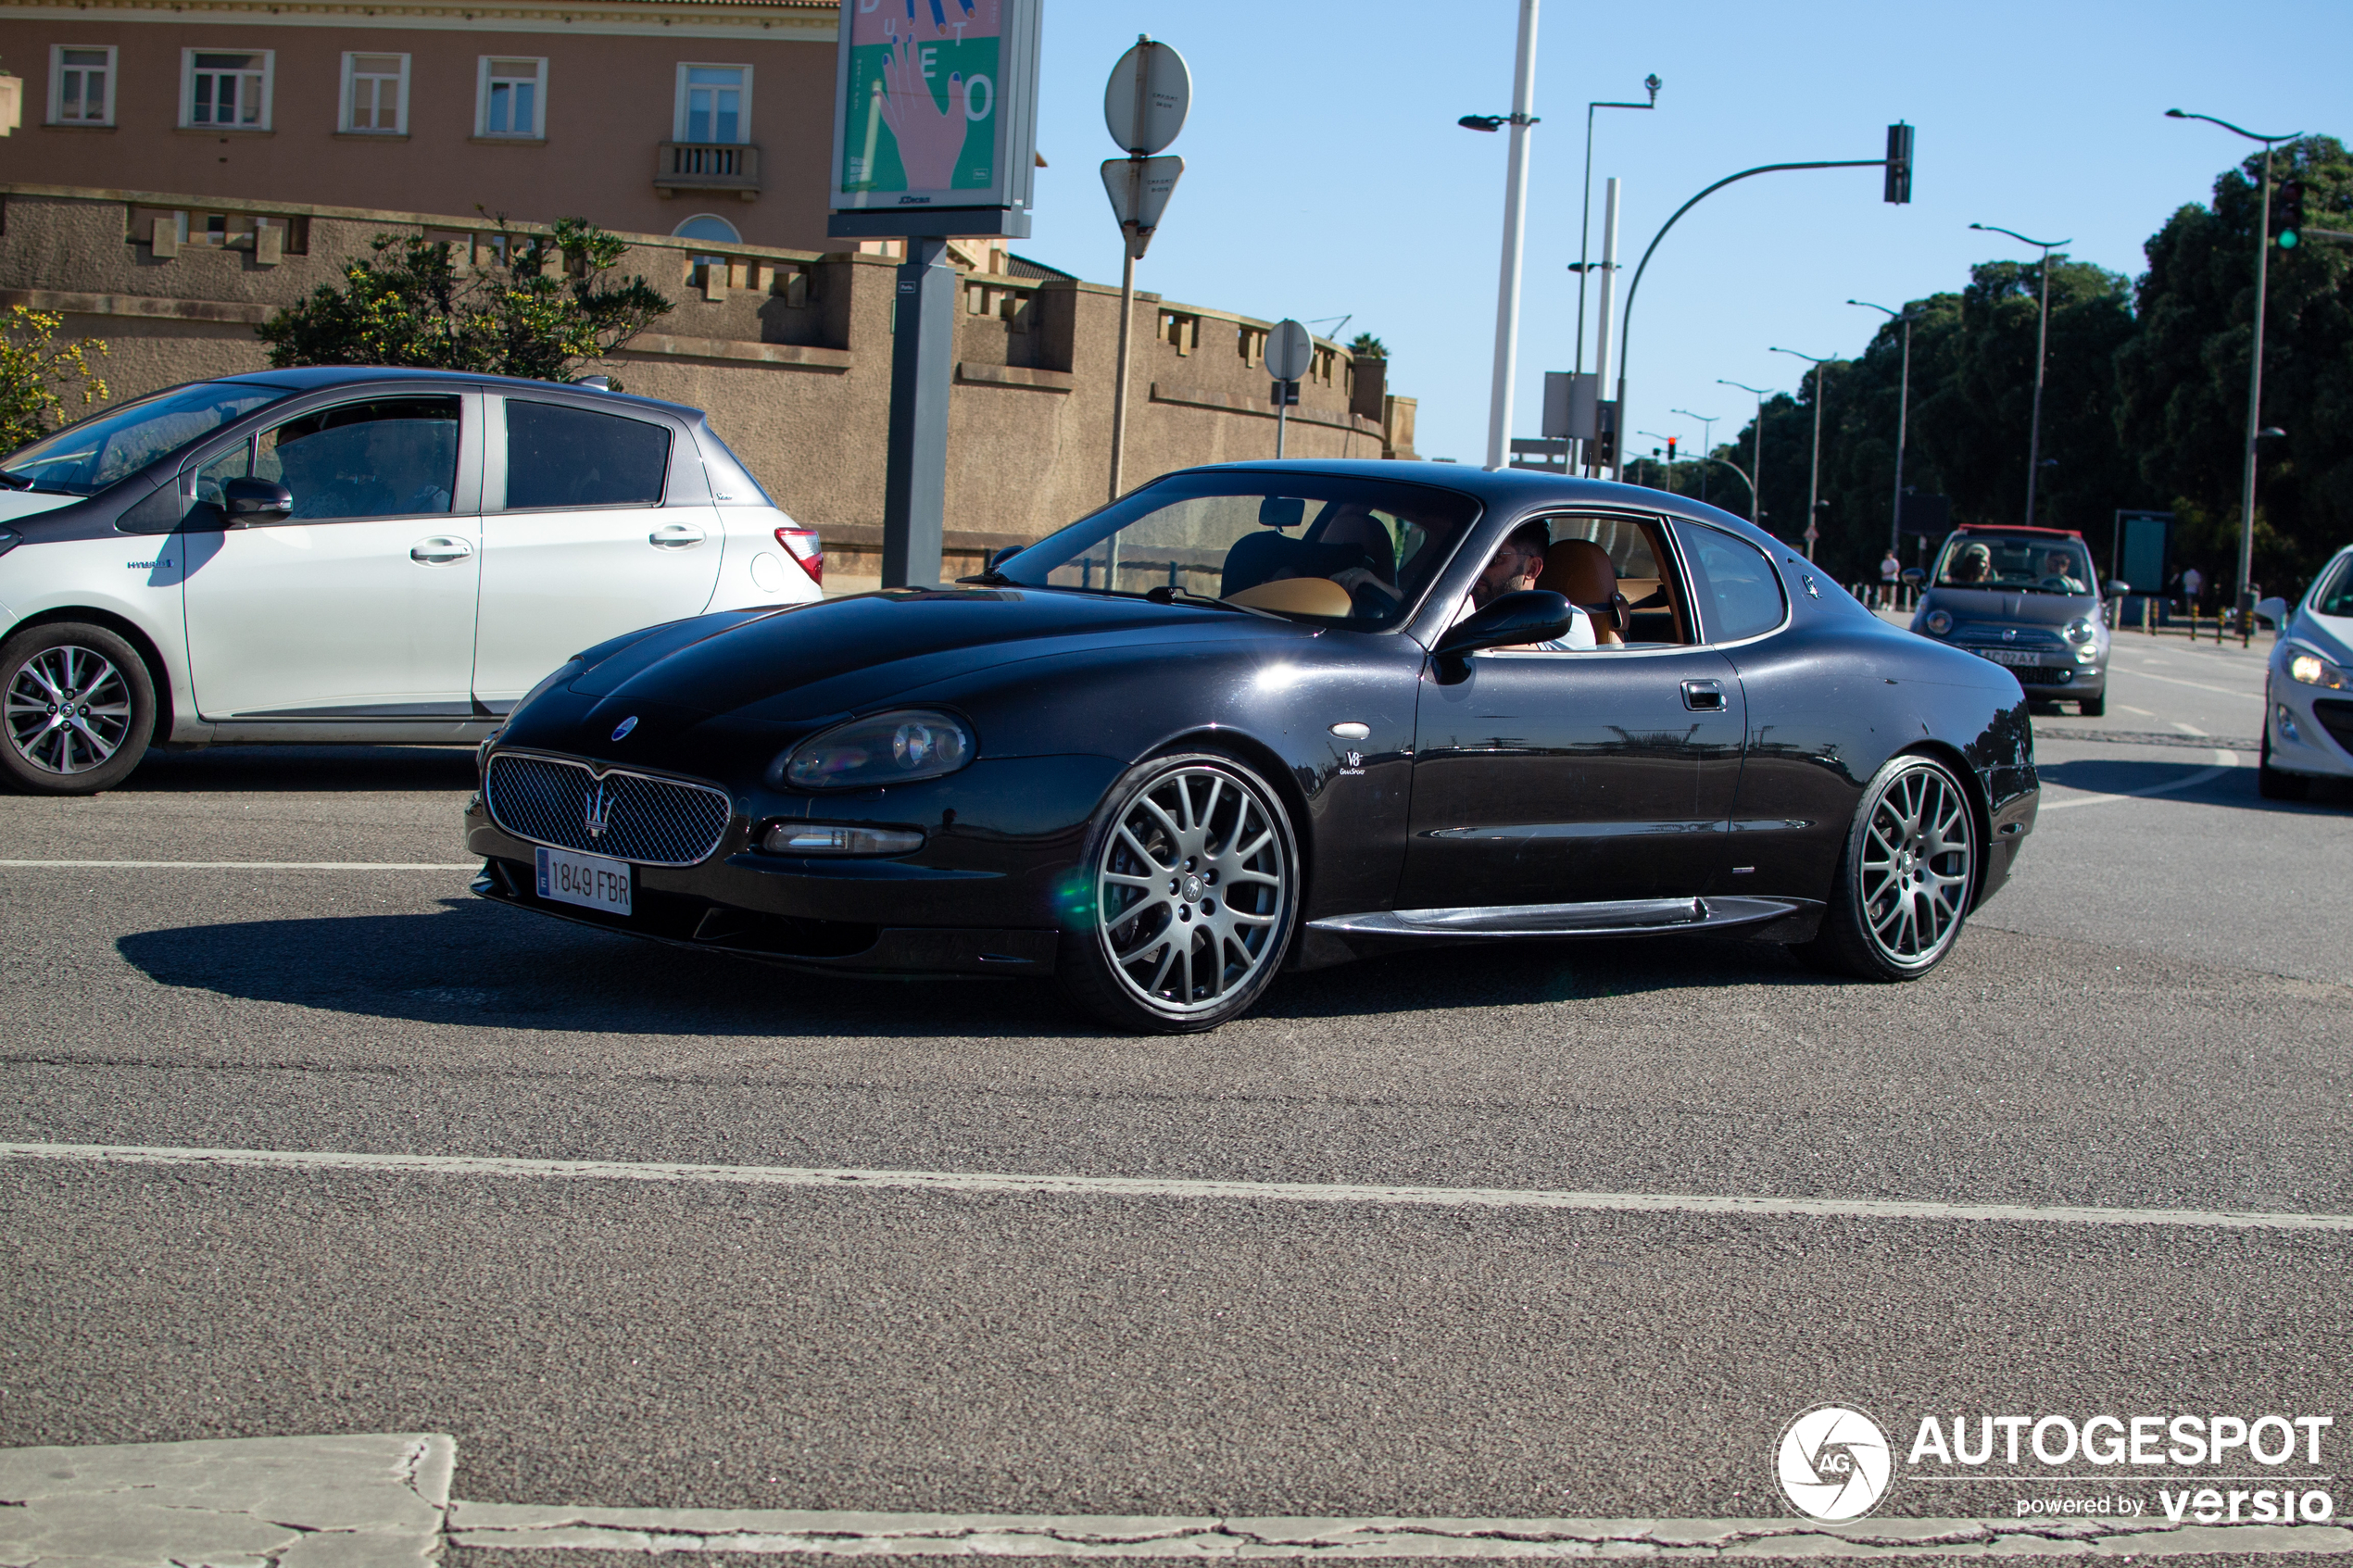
(79, 708)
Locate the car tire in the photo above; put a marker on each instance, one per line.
(1161, 950)
(2273, 783)
(1904, 877)
(85, 668)
(2092, 706)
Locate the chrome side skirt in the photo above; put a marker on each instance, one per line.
(1622, 917)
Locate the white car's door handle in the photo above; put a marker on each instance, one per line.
(674, 536)
(439, 551)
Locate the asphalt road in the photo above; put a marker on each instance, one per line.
(2153, 1016)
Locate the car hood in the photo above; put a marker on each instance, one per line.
(15, 503)
(837, 656)
(2009, 606)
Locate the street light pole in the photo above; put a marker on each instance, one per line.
(2255, 371)
(2042, 344)
(1903, 421)
(1499, 404)
(1585, 224)
(1626, 322)
(1706, 443)
(1756, 452)
(1814, 484)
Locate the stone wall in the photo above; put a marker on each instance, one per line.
(788, 352)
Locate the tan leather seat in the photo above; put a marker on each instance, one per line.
(1581, 571)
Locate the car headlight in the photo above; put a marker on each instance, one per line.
(2309, 669)
(887, 748)
(1939, 622)
(2081, 631)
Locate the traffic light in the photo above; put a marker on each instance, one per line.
(1899, 164)
(1670, 448)
(2288, 214)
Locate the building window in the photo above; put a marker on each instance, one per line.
(513, 100)
(375, 94)
(81, 86)
(714, 104)
(226, 89)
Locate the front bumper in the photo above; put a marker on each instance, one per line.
(2310, 729)
(987, 895)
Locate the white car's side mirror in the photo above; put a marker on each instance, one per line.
(2273, 610)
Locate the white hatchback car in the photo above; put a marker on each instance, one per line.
(2308, 717)
(353, 555)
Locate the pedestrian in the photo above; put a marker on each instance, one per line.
(1890, 572)
(2192, 589)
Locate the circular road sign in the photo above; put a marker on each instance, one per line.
(1150, 91)
(1289, 350)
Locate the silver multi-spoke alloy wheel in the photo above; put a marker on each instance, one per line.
(68, 710)
(1193, 890)
(1916, 864)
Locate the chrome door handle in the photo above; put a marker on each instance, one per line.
(439, 552)
(674, 536)
(1704, 696)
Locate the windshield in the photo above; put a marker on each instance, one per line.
(83, 459)
(2336, 596)
(1353, 551)
(2015, 562)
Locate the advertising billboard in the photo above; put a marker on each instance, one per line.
(935, 117)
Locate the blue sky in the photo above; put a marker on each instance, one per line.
(1324, 173)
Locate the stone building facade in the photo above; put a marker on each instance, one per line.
(787, 350)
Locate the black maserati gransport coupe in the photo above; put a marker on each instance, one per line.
(1278, 715)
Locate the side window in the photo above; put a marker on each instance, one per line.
(1640, 566)
(235, 463)
(564, 456)
(396, 456)
(1740, 592)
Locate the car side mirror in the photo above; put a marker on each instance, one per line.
(1531, 615)
(255, 500)
(1915, 576)
(2276, 611)
(2116, 588)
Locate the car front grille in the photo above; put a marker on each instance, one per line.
(653, 822)
(2335, 715)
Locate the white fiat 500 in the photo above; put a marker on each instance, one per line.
(352, 554)
(2308, 719)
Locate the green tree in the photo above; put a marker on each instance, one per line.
(545, 305)
(1365, 345)
(2181, 381)
(33, 367)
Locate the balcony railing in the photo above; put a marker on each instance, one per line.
(707, 166)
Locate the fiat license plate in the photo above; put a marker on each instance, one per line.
(590, 881)
(2016, 657)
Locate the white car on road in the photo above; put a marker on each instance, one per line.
(352, 554)
(2308, 708)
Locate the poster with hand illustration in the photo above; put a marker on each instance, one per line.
(930, 105)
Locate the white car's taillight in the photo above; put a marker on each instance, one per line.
(803, 546)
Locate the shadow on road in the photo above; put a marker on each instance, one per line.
(2104, 776)
(304, 769)
(474, 963)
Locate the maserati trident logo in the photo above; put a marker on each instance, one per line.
(600, 811)
(621, 731)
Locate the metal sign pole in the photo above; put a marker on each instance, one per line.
(923, 361)
(1282, 411)
(1119, 384)
(1144, 108)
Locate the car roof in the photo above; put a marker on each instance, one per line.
(2018, 528)
(312, 378)
(1512, 489)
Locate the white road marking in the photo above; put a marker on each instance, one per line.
(847, 1180)
(2142, 711)
(503, 1526)
(2223, 763)
(2194, 686)
(2185, 728)
(245, 865)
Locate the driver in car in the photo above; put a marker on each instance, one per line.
(1518, 564)
(2061, 565)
